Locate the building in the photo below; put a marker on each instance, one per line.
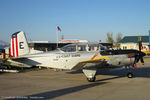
(131, 42)
(73, 41)
(45, 46)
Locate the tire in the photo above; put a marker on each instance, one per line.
(91, 79)
(130, 75)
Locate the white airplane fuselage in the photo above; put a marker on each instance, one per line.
(79, 56)
(67, 60)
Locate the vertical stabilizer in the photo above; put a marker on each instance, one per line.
(18, 44)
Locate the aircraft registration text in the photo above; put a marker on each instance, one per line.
(68, 55)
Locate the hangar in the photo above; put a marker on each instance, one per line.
(131, 42)
(43, 46)
(46, 46)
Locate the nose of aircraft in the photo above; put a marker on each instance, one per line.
(143, 54)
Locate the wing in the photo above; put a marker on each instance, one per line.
(91, 62)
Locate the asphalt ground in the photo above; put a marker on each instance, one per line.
(111, 84)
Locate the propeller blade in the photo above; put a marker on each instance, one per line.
(142, 61)
(140, 44)
(135, 66)
(136, 59)
(139, 55)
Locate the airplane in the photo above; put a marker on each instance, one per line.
(79, 56)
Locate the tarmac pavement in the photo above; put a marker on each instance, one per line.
(111, 84)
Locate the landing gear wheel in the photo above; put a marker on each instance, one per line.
(91, 79)
(130, 75)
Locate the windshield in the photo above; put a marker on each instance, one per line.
(82, 47)
(69, 48)
(93, 47)
(101, 47)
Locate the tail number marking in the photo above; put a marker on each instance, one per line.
(21, 45)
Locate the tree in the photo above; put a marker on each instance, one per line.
(118, 38)
(110, 38)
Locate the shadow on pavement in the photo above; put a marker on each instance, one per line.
(56, 93)
(120, 72)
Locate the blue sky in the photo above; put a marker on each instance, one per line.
(78, 19)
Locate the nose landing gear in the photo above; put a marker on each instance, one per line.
(130, 75)
(129, 69)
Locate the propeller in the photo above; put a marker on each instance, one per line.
(138, 56)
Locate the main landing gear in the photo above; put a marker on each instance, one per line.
(92, 79)
(90, 73)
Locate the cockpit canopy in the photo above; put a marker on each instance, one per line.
(82, 47)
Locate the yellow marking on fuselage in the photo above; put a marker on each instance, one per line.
(106, 58)
(147, 52)
(99, 58)
(96, 54)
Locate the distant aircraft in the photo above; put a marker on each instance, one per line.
(85, 56)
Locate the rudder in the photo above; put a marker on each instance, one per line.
(18, 44)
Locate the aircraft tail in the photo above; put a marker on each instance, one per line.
(18, 44)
